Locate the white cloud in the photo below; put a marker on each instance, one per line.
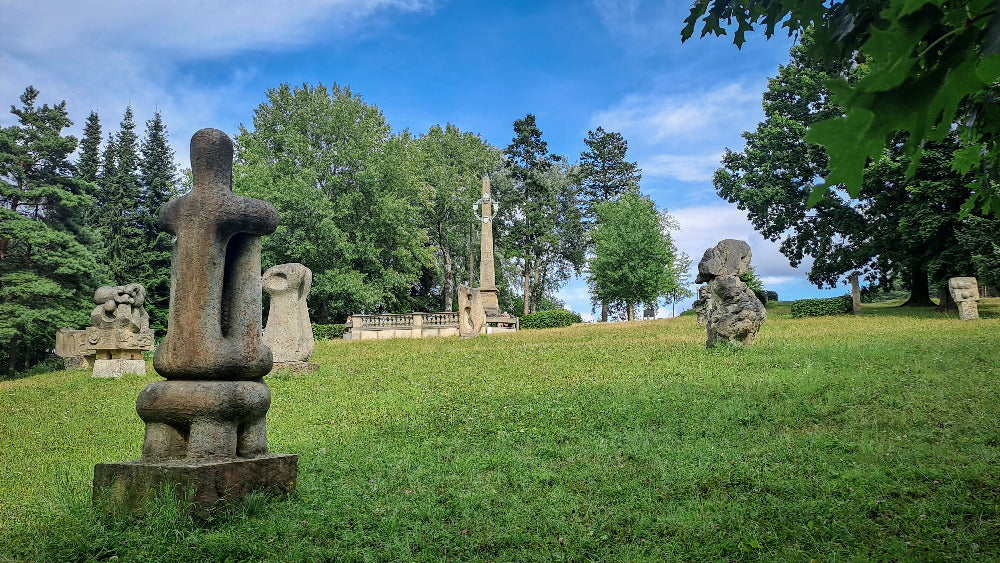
(686, 168)
(105, 55)
(678, 120)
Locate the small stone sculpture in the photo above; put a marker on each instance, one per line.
(205, 423)
(471, 313)
(288, 332)
(113, 346)
(965, 292)
(731, 311)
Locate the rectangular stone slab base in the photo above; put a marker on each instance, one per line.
(127, 486)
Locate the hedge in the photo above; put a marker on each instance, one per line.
(550, 319)
(820, 307)
(328, 332)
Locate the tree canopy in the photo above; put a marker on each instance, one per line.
(934, 64)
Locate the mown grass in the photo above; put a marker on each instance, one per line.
(832, 438)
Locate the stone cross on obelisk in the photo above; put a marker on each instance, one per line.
(487, 274)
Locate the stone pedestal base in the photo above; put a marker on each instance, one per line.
(968, 310)
(294, 367)
(128, 485)
(118, 367)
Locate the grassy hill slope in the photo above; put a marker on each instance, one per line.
(838, 437)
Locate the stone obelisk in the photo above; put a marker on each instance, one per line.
(487, 274)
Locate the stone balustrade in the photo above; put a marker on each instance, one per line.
(410, 325)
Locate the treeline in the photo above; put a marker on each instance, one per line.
(385, 220)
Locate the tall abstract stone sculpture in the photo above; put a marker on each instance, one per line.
(731, 311)
(965, 292)
(205, 424)
(288, 332)
(471, 314)
(119, 334)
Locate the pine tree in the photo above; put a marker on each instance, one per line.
(604, 172)
(120, 198)
(46, 269)
(158, 177)
(89, 164)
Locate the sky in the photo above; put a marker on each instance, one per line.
(576, 65)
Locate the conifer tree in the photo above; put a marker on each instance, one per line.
(46, 269)
(89, 165)
(120, 197)
(158, 177)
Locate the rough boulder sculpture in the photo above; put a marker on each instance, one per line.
(288, 332)
(205, 423)
(730, 310)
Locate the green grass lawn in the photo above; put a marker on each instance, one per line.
(836, 438)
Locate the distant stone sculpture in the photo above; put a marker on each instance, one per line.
(113, 346)
(731, 311)
(288, 332)
(205, 424)
(471, 313)
(965, 292)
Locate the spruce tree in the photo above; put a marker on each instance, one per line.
(120, 197)
(89, 164)
(158, 177)
(46, 270)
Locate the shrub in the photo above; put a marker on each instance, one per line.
(820, 307)
(772, 295)
(761, 296)
(328, 332)
(550, 319)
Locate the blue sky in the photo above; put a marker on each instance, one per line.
(479, 65)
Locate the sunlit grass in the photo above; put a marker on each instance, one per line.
(867, 437)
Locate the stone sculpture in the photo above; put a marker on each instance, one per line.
(471, 313)
(205, 423)
(965, 292)
(288, 332)
(731, 311)
(119, 334)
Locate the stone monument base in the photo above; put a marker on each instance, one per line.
(118, 368)
(294, 367)
(128, 485)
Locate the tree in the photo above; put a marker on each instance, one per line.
(46, 269)
(118, 198)
(158, 180)
(633, 255)
(538, 213)
(933, 61)
(680, 270)
(451, 165)
(89, 164)
(604, 176)
(894, 227)
(604, 172)
(346, 192)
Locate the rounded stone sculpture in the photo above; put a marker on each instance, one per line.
(204, 419)
(289, 333)
(965, 292)
(214, 323)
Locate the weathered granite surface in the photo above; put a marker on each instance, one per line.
(471, 313)
(730, 310)
(205, 424)
(288, 332)
(965, 292)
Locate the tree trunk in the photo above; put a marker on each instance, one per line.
(631, 311)
(945, 302)
(449, 281)
(604, 311)
(527, 286)
(12, 356)
(920, 289)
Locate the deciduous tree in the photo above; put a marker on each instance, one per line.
(346, 193)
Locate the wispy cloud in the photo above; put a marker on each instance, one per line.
(686, 168)
(105, 55)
